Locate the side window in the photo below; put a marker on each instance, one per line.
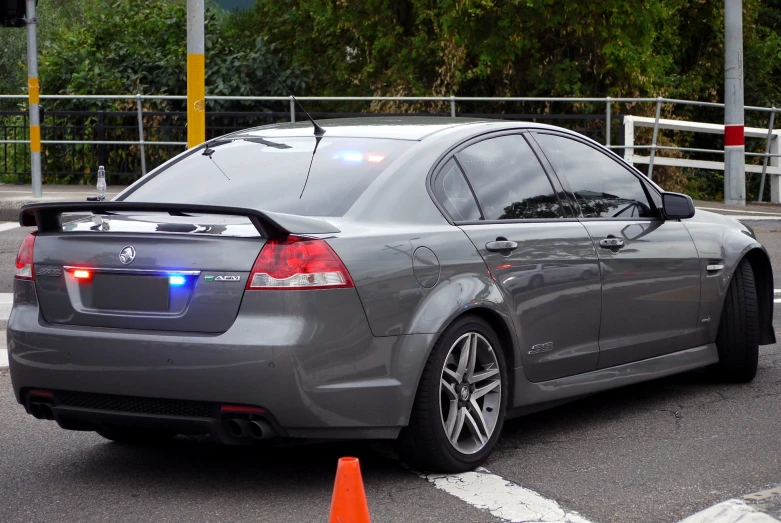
(602, 186)
(508, 180)
(454, 194)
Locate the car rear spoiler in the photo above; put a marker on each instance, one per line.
(48, 216)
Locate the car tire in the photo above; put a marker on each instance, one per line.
(738, 335)
(141, 437)
(425, 443)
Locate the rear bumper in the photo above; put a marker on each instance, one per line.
(308, 358)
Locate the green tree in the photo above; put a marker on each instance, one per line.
(613, 48)
(13, 44)
(139, 46)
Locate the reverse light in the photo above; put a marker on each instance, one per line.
(24, 259)
(298, 263)
(176, 280)
(81, 274)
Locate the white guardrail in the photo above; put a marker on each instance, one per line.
(771, 163)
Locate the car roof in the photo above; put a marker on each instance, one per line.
(389, 127)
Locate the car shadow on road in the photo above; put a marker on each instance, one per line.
(669, 395)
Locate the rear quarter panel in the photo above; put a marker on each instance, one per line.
(380, 261)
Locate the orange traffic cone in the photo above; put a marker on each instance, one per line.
(348, 504)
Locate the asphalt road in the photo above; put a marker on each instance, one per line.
(653, 452)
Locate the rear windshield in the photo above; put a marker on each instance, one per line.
(271, 174)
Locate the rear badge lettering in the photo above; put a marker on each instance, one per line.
(541, 347)
(222, 278)
(45, 271)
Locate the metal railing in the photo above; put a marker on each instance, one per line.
(772, 148)
(454, 102)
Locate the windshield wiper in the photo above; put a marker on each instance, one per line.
(263, 141)
(209, 150)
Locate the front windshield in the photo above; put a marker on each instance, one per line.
(271, 174)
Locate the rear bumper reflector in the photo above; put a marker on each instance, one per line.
(246, 409)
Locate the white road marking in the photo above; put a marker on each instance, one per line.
(730, 511)
(502, 498)
(6, 302)
(3, 350)
(738, 210)
(755, 218)
(5, 226)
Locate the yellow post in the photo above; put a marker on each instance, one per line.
(33, 92)
(196, 72)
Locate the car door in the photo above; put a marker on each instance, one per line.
(649, 266)
(496, 190)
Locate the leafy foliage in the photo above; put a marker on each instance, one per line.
(140, 46)
(613, 48)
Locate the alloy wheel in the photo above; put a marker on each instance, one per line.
(470, 393)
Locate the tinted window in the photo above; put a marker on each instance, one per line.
(508, 180)
(602, 186)
(454, 193)
(272, 175)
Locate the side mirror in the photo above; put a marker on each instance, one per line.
(677, 206)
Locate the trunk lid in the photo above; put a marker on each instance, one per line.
(150, 266)
(150, 281)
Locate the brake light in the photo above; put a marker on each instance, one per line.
(298, 263)
(81, 274)
(24, 259)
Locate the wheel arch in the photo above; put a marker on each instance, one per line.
(503, 330)
(763, 281)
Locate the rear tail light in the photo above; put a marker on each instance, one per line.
(298, 263)
(24, 259)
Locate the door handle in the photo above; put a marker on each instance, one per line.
(611, 243)
(501, 246)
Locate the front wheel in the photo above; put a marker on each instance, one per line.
(737, 340)
(460, 405)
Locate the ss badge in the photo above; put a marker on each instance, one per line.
(541, 347)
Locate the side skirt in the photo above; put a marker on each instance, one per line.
(571, 387)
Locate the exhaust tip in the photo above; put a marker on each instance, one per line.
(41, 410)
(46, 411)
(261, 430)
(237, 427)
(35, 410)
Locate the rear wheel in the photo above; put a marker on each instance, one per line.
(737, 340)
(461, 400)
(131, 436)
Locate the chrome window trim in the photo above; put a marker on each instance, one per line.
(161, 272)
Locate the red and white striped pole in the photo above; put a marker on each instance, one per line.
(734, 141)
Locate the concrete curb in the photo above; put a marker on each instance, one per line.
(13, 197)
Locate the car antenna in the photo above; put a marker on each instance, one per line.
(319, 131)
